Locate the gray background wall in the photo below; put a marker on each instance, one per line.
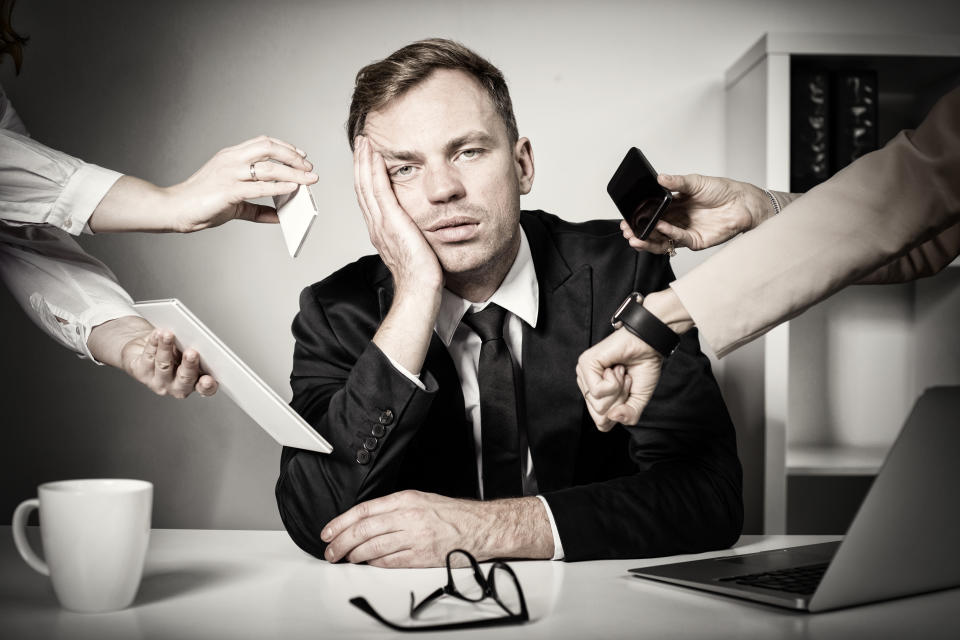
(154, 89)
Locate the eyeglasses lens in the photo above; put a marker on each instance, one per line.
(465, 578)
(506, 590)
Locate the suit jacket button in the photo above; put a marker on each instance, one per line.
(363, 456)
(370, 444)
(386, 418)
(378, 430)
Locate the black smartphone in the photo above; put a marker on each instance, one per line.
(637, 194)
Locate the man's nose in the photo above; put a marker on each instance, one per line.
(443, 185)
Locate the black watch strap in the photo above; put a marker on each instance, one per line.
(645, 325)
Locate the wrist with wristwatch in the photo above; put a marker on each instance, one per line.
(633, 317)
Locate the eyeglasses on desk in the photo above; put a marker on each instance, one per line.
(500, 584)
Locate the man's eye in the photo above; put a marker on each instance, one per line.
(402, 172)
(470, 154)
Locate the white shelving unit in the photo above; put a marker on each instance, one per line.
(834, 460)
(838, 381)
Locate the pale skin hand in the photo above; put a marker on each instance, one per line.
(610, 403)
(613, 397)
(416, 529)
(405, 332)
(609, 387)
(215, 194)
(150, 357)
(706, 212)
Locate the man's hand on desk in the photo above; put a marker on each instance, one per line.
(150, 357)
(416, 529)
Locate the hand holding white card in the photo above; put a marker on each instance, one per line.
(296, 211)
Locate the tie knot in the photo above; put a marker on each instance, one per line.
(488, 324)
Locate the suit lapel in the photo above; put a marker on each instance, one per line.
(554, 406)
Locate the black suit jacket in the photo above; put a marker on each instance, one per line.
(671, 484)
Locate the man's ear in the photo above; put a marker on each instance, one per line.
(523, 163)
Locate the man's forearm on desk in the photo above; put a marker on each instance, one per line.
(417, 529)
(522, 530)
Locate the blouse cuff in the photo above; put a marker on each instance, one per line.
(80, 197)
(97, 315)
(74, 330)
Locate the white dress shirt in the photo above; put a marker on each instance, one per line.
(519, 294)
(44, 196)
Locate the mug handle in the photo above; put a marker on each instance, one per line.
(20, 536)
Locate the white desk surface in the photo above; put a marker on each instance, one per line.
(258, 584)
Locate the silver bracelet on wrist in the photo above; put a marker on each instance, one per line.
(773, 201)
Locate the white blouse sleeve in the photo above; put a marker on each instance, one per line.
(40, 185)
(65, 291)
(44, 195)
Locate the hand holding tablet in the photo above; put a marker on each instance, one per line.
(236, 379)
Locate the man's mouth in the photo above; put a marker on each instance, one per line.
(454, 229)
(453, 221)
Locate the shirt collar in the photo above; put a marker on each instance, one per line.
(519, 293)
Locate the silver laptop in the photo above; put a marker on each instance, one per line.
(904, 540)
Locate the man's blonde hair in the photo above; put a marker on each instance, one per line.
(380, 82)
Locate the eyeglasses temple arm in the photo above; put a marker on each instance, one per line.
(416, 609)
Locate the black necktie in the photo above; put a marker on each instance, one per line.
(502, 477)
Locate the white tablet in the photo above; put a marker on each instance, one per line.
(235, 378)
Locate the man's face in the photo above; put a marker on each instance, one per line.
(454, 170)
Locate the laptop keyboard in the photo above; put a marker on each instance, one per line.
(802, 580)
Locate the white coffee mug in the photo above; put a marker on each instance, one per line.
(95, 535)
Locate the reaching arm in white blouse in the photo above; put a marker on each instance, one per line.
(45, 195)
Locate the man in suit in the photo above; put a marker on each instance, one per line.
(891, 216)
(442, 369)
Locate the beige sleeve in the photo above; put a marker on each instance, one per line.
(872, 213)
(923, 261)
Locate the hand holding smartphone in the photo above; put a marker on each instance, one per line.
(637, 194)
